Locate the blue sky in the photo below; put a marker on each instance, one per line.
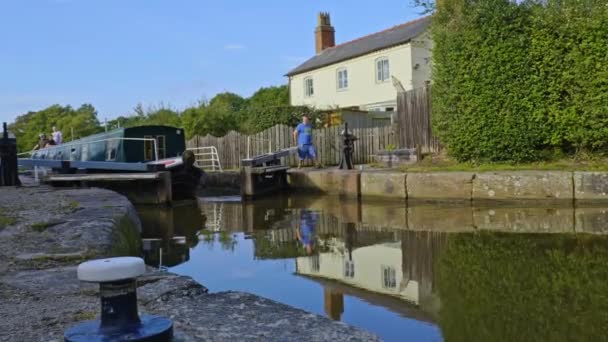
(117, 53)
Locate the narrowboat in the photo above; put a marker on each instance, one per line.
(132, 149)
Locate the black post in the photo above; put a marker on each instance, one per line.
(8, 159)
(346, 159)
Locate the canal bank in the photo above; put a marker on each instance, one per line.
(45, 233)
(579, 186)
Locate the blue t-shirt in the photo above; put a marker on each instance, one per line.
(307, 227)
(304, 134)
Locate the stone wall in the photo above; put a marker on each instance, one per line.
(456, 186)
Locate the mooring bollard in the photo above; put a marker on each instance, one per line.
(120, 321)
(9, 175)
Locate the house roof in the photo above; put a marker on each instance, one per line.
(393, 36)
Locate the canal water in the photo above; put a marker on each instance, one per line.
(415, 273)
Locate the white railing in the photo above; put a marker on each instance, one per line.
(80, 143)
(206, 156)
(261, 140)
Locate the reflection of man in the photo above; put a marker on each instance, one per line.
(306, 231)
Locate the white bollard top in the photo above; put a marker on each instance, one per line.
(111, 269)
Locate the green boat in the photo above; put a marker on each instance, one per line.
(132, 149)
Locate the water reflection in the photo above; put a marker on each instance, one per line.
(170, 233)
(406, 273)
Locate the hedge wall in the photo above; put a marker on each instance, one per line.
(514, 80)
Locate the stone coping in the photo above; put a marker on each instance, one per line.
(582, 186)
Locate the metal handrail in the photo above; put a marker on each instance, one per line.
(95, 141)
(215, 157)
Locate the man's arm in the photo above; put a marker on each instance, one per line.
(295, 136)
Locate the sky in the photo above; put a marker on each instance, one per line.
(115, 54)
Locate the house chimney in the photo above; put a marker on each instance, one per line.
(325, 35)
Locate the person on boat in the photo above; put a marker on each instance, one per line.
(302, 136)
(57, 136)
(306, 232)
(42, 142)
(50, 142)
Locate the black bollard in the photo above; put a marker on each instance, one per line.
(348, 146)
(120, 320)
(8, 159)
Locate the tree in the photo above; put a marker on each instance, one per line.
(82, 121)
(427, 6)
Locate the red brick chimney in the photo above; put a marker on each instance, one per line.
(325, 35)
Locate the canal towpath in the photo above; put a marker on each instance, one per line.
(45, 233)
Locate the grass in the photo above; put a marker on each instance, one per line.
(41, 226)
(443, 163)
(6, 220)
(84, 316)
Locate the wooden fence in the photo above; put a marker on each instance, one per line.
(234, 146)
(414, 120)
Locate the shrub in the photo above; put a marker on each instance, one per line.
(512, 79)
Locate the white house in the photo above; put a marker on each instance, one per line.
(364, 73)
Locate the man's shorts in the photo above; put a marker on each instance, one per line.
(306, 151)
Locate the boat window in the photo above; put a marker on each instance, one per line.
(112, 146)
(148, 148)
(160, 142)
(85, 152)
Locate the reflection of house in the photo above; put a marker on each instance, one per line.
(376, 268)
(364, 73)
(402, 269)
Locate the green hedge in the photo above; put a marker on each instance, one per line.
(515, 80)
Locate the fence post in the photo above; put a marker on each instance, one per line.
(248, 145)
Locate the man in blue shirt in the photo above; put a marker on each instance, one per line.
(302, 135)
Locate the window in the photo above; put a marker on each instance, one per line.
(349, 269)
(342, 79)
(111, 147)
(309, 89)
(160, 144)
(382, 70)
(389, 277)
(389, 109)
(148, 148)
(315, 263)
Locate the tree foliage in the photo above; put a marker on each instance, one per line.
(515, 80)
(223, 113)
(79, 122)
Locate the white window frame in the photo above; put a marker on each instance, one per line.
(342, 83)
(383, 72)
(389, 277)
(349, 268)
(309, 91)
(315, 263)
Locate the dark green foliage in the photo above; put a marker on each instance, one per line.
(514, 80)
(268, 107)
(523, 287)
(225, 112)
(427, 6)
(82, 122)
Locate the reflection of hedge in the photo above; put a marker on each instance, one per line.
(512, 78)
(516, 288)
